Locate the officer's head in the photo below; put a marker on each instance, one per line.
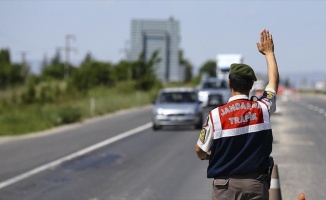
(241, 78)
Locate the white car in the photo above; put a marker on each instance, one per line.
(213, 92)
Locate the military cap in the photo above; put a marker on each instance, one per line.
(243, 71)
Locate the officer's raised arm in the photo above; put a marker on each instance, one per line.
(266, 47)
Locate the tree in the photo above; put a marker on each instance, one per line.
(143, 67)
(144, 71)
(11, 74)
(5, 57)
(122, 71)
(56, 68)
(92, 74)
(18, 73)
(88, 58)
(57, 58)
(188, 67)
(209, 67)
(29, 95)
(55, 71)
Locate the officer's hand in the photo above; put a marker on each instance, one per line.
(266, 44)
(208, 156)
(301, 196)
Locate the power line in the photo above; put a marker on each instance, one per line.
(67, 49)
(25, 69)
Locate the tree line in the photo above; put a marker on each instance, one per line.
(89, 74)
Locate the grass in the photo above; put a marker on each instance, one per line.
(16, 119)
(312, 91)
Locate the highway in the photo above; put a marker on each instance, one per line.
(300, 147)
(147, 165)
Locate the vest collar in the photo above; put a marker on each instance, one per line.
(237, 97)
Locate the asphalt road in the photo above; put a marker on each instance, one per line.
(300, 147)
(157, 165)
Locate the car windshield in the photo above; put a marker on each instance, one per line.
(178, 97)
(214, 85)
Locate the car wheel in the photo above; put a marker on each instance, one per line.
(156, 127)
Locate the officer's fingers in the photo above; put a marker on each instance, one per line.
(267, 33)
(301, 196)
(258, 46)
(262, 36)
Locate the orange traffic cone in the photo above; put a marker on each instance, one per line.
(301, 196)
(275, 188)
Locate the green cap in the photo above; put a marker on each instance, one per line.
(243, 71)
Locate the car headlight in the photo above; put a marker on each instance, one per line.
(203, 95)
(160, 111)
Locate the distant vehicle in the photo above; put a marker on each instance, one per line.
(213, 92)
(223, 64)
(177, 106)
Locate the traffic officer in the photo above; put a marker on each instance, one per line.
(237, 137)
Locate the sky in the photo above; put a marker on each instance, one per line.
(207, 28)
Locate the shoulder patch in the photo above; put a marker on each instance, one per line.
(202, 135)
(269, 94)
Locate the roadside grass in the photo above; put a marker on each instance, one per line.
(19, 119)
(312, 91)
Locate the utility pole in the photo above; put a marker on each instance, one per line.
(67, 50)
(127, 52)
(23, 55)
(24, 70)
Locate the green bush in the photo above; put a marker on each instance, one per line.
(125, 87)
(92, 74)
(29, 95)
(67, 114)
(146, 83)
(46, 94)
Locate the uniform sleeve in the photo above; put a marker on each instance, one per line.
(206, 135)
(269, 99)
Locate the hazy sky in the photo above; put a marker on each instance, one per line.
(207, 28)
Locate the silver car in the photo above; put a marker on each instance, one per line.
(177, 106)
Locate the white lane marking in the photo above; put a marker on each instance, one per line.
(314, 108)
(74, 155)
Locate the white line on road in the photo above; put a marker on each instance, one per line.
(74, 155)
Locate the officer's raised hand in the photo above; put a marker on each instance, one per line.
(266, 44)
(266, 47)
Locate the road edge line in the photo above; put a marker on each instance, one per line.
(84, 151)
